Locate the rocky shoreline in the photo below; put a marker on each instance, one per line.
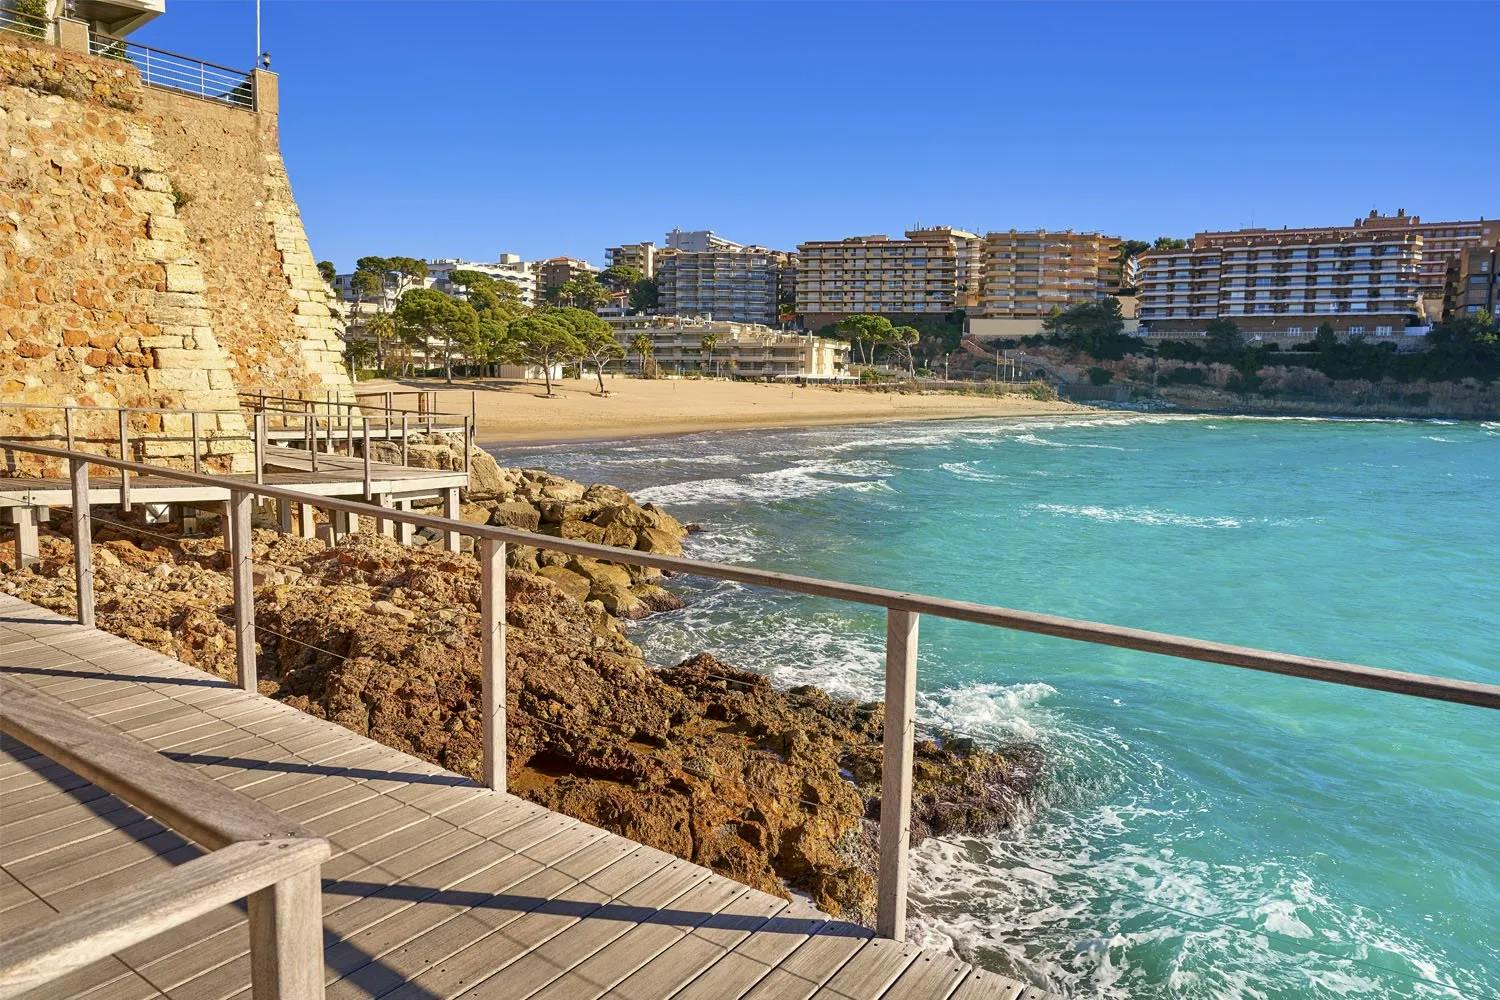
(777, 789)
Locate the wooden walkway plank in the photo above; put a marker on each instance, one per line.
(928, 977)
(982, 985)
(684, 960)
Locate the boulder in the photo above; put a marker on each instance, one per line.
(515, 514)
(619, 535)
(600, 573)
(567, 581)
(581, 531)
(658, 542)
(474, 513)
(486, 478)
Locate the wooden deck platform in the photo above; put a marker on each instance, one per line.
(336, 476)
(437, 887)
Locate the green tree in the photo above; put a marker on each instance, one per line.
(581, 292)
(327, 271)
(902, 340)
(358, 353)
(424, 314)
(645, 295)
(1130, 248)
(708, 343)
(1097, 328)
(1100, 376)
(619, 278)
(1169, 243)
(864, 331)
(1224, 340)
(599, 345)
(642, 345)
(542, 339)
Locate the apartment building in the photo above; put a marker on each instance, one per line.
(740, 285)
(1281, 288)
(508, 267)
(931, 272)
(743, 350)
(1442, 243)
(1028, 274)
(640, 256)
(554, 272)
(1474, 283)
(699, 241)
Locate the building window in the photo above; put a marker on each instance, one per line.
(1356, 331)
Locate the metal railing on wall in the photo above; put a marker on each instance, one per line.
(903, 612)
(161, 68)
(28, 25)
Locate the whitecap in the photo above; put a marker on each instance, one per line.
(1137, 515)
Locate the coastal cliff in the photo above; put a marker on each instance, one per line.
(777, 789)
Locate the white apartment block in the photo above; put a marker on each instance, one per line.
(699, 241)
(1274, 288)
(508, 267)
(743, 350)
(932, 271)
(640, 256)
(739, 285)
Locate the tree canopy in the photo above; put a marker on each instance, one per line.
(424, 314)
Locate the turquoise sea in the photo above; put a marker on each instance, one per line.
(1202, 831)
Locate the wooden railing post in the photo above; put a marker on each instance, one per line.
(68, 426)
(124, 457)
(260, 446)
(492, 658)
(197, 462)
(450, 511)
(241, 566)
(468, 444)
(896, 780)
(405, 433)
(367, 454)
(83, 541)
(286, 939)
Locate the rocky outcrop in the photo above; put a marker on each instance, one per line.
(778, 789)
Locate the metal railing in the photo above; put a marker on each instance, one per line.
(161, 68)
(29, 25)
(253, 852)
(903, 611)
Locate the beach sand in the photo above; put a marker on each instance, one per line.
(518, 412)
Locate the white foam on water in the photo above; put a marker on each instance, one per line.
(1033, 439)
(971, 472)
(1137, 515)
(807, 478)
(1438, 438)
(993, 711)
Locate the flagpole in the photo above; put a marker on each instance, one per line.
(257, 32)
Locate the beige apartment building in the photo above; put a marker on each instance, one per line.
(1028, 274)
(743, 350)
(931, 272)
(640, 256)
(1442, 243)
(740, 285)
(554, 272)
(1281, 287)
(1474, 283)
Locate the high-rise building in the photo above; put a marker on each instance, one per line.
(1442, 242)
(554, 272)
(699, 241)
(1028, 274)
(1282, 287)
(1474, 283)
(641, 256)
(931, 272)
(739, 285)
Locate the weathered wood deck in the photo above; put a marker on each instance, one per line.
(437, 887)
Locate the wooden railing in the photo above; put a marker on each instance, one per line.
(253, 852)
(903, 611)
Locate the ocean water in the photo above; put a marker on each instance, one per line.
(1202, 831)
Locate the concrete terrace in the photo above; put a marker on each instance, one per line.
(437, 887)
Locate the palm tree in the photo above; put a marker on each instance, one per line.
(708, 343)
(358, 354)
(642, 345)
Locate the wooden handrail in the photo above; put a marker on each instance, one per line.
(1332, 671)
(41, 952)
(189, 802)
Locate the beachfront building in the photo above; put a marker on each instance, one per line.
(1282, 288)
(554, 272)
(1029, 274)
(741, 350)
(508, 267)
(739, 285)
(1442, 243)
(640, 256)
(932, 271)
(1473, 283)
(699, 241)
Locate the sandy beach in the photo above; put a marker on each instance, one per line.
(511, 412)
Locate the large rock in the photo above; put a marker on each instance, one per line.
(515, 514)
(571, 583)
(658, 542)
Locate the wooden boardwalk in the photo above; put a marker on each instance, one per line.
(437, 887)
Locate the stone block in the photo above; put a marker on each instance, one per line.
(184, 278)
(206, 360)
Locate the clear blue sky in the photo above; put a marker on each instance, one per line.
(467, 129)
